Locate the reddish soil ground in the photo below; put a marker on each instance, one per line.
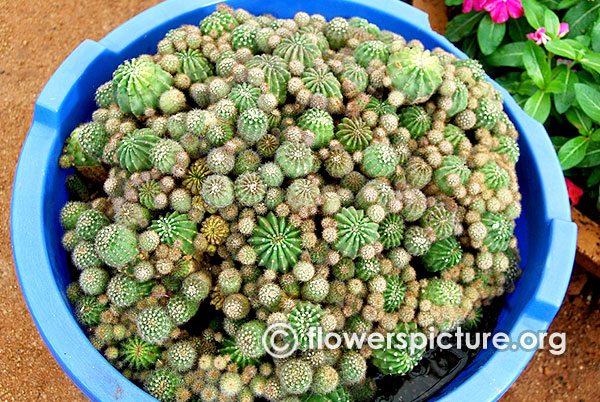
(35, 36)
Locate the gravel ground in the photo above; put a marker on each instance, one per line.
(35, 36)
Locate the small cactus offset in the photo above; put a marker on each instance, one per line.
(318, 175)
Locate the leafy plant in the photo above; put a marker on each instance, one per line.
(548, 58)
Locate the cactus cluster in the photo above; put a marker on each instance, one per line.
(326, 175)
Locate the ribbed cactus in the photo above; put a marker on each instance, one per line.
(134, 150)
(379, 160)
(252, 124)
(415, 120)
(276, 242)
(442, 291)
(356, 74)
(217, 191)
(244, 96)
(298, 47)
(354, 134)
(320, 123)
(451, 165)
(354, 231)
(116, 245)
(177, 230)
(499, 231)
(276, 73)
(418, 74)
(138, 84)
(338, 32)
(294, 159)
(194, 65)
(322, 82)
(371, 50)
(443, 254)
(399, 359)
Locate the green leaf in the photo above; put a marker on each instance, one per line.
(463, 25)
(564, 99)
(581, 16)
(594, 177)
(592, 156)
(553, 4)
(566, 4)
(454, 2)
(536, 64)
(558, 141)
(595, 137)
(591, 61)
(518, 29)
(490, 35)
(538, 106)
(573, 152)
(595, 36)
(579, 119)
(583, 40)
(555, 86)
(589, 100)
(509, 55)
(563, 48)
(534, 13)
(551, 22)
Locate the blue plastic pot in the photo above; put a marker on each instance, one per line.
(547, 237)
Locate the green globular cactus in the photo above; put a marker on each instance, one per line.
(354, 134)
(340, 394)
(93, 138)
(246, 161)
(304, 319)
(276, 72)
(298, 47)
(219, 134)
(84, 256)
(249, 339)
(244, 36)
(163, 154)
(357, 75)
(339, 164)
(509, 147)
(196, 287)
(337, 32)
(322, 82)
(195, 175)
(276, 242)
(93, 281)
(352, 368)
(400, 358)
(182, 356)
(217, 191)
(393, 294)
(89, 309)
(499, 231)
(123, 290)
(70, 213)
(116, 245)
(455, 136)
(354, 231)
(371, 50)
(366, 269)
(320, 123)
(133, 151)
(495, 177)
(176, 229)
(379, 160)
(181, 309)
(414, 119)
(252, 124)
(460, 99)
(302, 193)
(271, 174)
(103, 95)
(451, 165)
(441, 220)
(172, 101)
(296, 376)
(73, 155)
(138, 85)
(194, 65)
(139, 354)
(250, 188)
(416, 241)
(391, 231)
(244, 96)
(154, 325)
(195, 122)
(442, 291)
(146, 193)
(442, 255)
(488, 112)
(416, 73)
(217, 23)
(418, 172)
(162, 384)
(295, 159)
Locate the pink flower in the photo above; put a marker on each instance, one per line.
(563, 29)
(476, 5)
(574, 192)
(500, 9)
(539, 36)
